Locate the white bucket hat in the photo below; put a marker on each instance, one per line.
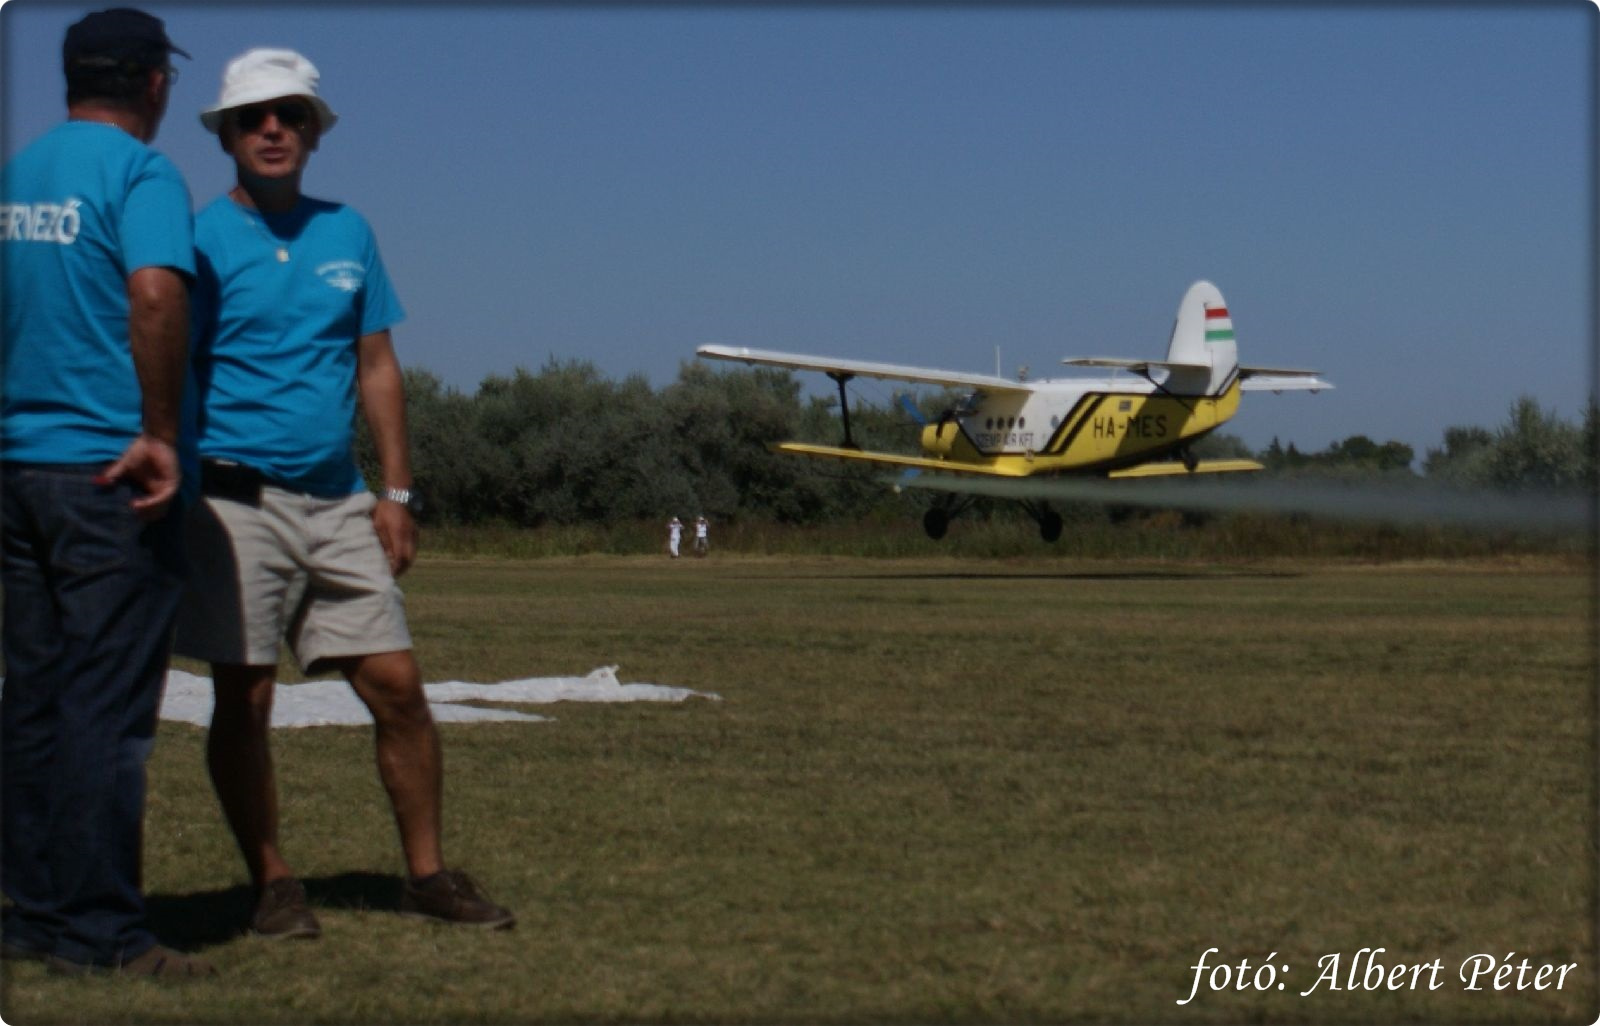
(266, 74)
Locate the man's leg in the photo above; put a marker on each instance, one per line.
(239, 757)
(354, 607)
(30, 722)
(412, 768)
(113, 587)
(410, 763)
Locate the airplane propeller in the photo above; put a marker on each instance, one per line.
(906, 477)
(921, 419)
(911, 408)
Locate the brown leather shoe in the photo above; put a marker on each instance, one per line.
(282, 912)
(450, 896)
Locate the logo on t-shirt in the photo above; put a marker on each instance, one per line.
(41, 222)
(345, 275)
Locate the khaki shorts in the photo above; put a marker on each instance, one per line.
(297, 568)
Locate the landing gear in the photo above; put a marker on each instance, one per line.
(1050, 526)
(937, 520)
(1049, 520)
(1190, 460)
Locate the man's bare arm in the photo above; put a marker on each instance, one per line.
(383, 398)
(158, 328)
(158, 336)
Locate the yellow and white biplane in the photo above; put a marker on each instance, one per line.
(1139, 422)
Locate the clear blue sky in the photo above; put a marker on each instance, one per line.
(1399, 197)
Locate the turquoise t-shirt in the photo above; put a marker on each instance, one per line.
(81, 209)
(279, 304)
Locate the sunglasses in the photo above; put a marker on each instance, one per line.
(291, 115)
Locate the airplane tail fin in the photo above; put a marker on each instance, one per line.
(1202, 351)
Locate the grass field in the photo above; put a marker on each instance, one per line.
(936, 790)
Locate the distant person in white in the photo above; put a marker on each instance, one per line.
(674, 536)
(702, 536)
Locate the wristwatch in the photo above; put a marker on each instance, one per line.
(406, 497)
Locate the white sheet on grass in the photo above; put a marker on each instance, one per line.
(188, 698)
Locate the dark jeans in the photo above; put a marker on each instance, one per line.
(90, 597)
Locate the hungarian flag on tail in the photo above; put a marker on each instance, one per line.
(1219, 326)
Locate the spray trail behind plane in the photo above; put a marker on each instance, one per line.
(1402, 503)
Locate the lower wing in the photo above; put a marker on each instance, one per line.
(1014, 467)
(890, 459)
(1168, 468)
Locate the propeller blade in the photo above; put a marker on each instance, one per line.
(911, 408)
(907, 476)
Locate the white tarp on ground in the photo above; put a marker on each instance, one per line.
(188, 698)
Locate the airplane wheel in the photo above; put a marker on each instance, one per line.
(1050, 526)
(936, 522)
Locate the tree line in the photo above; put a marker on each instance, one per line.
(567, 445)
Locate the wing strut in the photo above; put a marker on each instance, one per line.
(844, 407)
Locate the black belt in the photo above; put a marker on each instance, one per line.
(238, 482)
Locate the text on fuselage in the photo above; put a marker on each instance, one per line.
(1004, 439)
(1146, 425)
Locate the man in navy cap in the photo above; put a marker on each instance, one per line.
(98, 250)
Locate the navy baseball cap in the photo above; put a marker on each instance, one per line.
(121, 35)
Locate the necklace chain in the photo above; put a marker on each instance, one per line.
(281, 250)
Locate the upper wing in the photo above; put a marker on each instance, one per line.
(1271, 379)
(863, 368)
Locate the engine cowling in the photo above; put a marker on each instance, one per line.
(939, 438)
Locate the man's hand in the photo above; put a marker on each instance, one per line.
(397, 533)
(151, 464)
(383, 398)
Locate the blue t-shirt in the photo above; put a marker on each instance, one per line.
(81, 209)
(279, 304)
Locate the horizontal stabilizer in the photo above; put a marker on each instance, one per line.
(864, 368)
(1274, 379)
(1137, 366)
(1172, 469)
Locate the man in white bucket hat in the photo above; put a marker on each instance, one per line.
(292, 312)
(264, 74)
